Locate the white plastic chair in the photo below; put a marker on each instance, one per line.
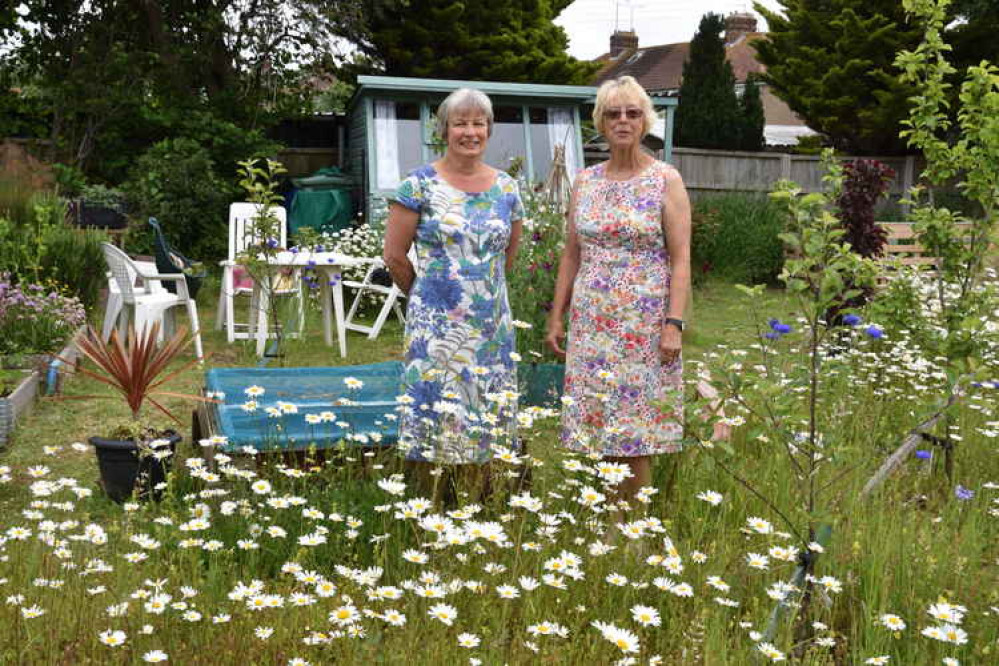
(241, 218)
(115, 314)
(148, 303)
(390, 294)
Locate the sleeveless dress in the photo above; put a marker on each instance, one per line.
(459, 380)
(622, 400)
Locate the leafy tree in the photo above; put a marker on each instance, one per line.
(709, 115)
(119, 75)
(501, 40)
(753, 118)
(833, 63)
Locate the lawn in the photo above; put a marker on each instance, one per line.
(337, 561)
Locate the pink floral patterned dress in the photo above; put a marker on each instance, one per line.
(621, 399)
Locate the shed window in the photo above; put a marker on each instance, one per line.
(507, 141)
(398, 141)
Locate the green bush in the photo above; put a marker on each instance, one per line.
(176, 181)
(40, 247)
(735, 237)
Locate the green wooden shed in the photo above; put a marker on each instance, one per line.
(392, 118)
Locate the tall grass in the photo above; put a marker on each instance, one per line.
(735, 238)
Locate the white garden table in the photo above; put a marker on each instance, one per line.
(329, 265)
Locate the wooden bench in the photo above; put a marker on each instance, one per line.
(903, 247)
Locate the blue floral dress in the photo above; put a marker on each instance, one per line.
(459, 380)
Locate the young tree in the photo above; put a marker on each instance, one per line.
(753, 118)
(501, 40)
(709, 114)
(833, 63)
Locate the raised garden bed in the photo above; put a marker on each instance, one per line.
(34, 377)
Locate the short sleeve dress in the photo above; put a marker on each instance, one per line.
(622, 401)
(459, 380)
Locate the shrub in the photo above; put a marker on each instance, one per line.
(176, 182)
(35, 320)
(864, 184)
(735, 237)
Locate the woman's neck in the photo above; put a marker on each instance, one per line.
(464, 166)
(627, 160)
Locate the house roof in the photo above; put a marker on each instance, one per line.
(659, 69)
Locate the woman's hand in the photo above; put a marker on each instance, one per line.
(670, 344)
(555, 336)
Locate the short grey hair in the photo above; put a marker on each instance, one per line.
(463, 99)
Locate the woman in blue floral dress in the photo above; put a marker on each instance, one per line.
(464, 218)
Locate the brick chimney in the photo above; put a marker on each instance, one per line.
(737, 25)
(621, 41)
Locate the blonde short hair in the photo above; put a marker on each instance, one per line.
(463, 99)
(623, 86)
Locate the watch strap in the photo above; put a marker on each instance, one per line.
(676, 322)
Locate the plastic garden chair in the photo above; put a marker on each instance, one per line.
(147, 304)
(236, 281)
(169, 260)
(114, 309)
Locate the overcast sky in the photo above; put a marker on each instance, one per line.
(590, 23)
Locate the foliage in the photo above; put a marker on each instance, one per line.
(37, 245)
(177, 182)
(531, 284)
(864, 184)
(504, 40)
(751, 135)
(118, 77)
(35, 319)
(965, 152)
(736, 237)
(832, 62)
(709, 114)
(136, 367)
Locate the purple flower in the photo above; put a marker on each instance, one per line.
(963, 494)
(777, 327)
(924, 454)
(874, 332)
(851, 319)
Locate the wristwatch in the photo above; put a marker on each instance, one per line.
(676, 322)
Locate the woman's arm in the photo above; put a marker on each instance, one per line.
(568, 266)
(516, 227)
(400, 230)
(676, 223)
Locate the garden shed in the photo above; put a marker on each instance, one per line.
(392, 127)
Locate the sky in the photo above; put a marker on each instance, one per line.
(589, 23)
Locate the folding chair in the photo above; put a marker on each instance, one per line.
(236, 281)
(148, 304)
(391, 293)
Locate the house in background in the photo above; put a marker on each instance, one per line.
(659, 69)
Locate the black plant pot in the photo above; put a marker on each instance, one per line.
(124, 471)
(101, 217)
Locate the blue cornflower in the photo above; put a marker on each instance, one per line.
(851, 319)
(924, 454)
(772, 335)
(874, 332)
(963, 494)
(778, 327)
(272, 242)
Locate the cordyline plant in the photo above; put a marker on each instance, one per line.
(137, 366)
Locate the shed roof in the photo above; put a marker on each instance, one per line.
(367, 85)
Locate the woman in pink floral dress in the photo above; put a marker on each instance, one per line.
(625, 270)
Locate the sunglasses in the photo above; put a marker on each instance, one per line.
(630, 113)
